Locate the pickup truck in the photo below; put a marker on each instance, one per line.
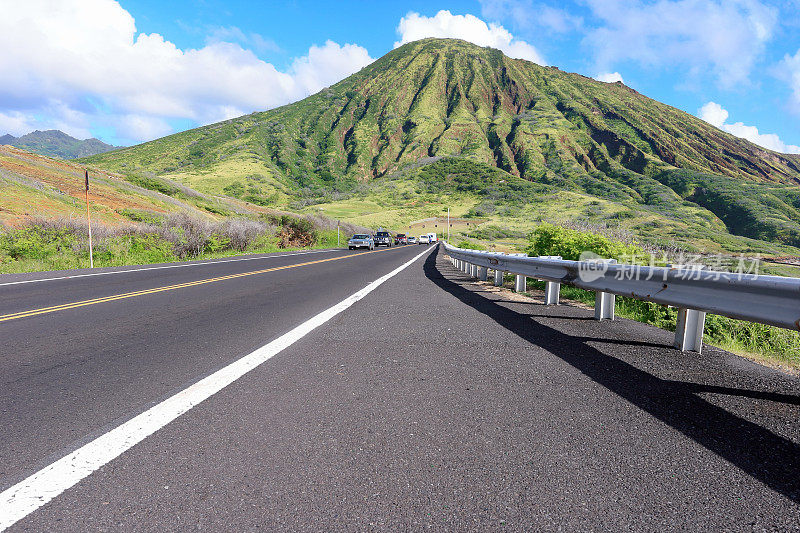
(383, 238)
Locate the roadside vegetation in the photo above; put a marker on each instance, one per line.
(59, 244)
(746, 338)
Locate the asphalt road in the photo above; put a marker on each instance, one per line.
(434, 402)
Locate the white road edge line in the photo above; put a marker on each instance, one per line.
(167, 266)
(20, 500)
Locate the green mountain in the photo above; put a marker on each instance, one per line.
(55, 143)
(531, 143)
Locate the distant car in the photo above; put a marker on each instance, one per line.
(400, 238)
(432, 238)
(361, 240)
(412, 240)
(423, 239)
(384, 238)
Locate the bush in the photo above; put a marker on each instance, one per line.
(469, 245)
(548, 239)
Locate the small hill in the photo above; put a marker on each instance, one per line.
(55, 143)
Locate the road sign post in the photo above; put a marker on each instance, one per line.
(89, 221)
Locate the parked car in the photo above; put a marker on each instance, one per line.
(423, 239)
(384, 238)
(412, 239)
(361, 240)
(400, 238)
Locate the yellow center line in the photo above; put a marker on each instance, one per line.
(73, 305)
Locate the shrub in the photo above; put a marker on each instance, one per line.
(469, 245)
(548, 239)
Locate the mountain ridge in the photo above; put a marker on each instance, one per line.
(661, 172)
(56, 143)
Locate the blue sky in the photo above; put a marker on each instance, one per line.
(135, 70)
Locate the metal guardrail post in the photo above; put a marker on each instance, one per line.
(689, 330)
(552, 291)
(498, 278)
(604, 306)
(483, 273)
(520, 281)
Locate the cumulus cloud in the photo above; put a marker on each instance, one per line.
(414, 27)
(725, 37)
(609, 77)
(85, 57)
(716, 115)
(789, 71)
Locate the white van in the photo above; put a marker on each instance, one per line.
(423, 239)
(432, 238)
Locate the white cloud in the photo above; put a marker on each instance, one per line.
(789, 71)
(609, 77)
(143, 127)
(716, 115)
(53, 115)
(526, 14)
(725, 37)
(414, 27)
(323, 65)
(84, 57)
(15, 123)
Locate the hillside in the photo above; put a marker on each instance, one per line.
(55, 143)
(33, 186)
(660, 172)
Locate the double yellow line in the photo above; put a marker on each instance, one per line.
(73, 305)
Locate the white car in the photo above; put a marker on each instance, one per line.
(423, 239)
(412, 240)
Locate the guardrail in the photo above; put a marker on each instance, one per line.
(772, 300)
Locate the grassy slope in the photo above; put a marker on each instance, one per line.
(598, 152)
(517, 206)
(37, 186)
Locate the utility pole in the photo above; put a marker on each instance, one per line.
(448, 224)
(89, 221)
(337, 233)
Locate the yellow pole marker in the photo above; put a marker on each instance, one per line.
(73, 305)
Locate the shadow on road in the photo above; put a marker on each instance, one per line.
(768, 457)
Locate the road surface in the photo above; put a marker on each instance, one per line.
(432, 401)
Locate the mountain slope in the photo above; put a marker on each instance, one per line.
(55, 143)
(32, 185)
(447, 98)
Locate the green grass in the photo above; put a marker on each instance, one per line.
(61, 245)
